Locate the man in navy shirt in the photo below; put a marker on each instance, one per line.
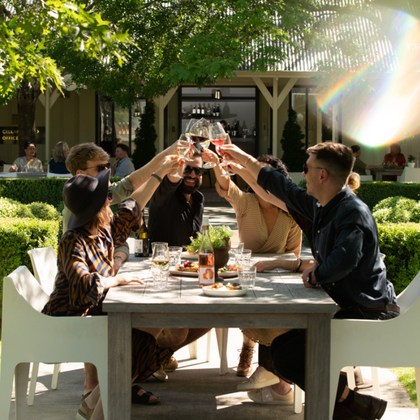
(348, 263)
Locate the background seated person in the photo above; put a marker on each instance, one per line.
(58, 162)
(393, 159)
(359, 166)
(122, 165)
(27, 163)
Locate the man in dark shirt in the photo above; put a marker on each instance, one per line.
(348, 264)
(176, 208)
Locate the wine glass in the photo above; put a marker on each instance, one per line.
(244, 132)
(160, 264)
(218, 137)
(183, 146)
(199, 131)
(205, 145)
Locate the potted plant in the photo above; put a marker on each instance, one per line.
(411, 161)
(220, 241)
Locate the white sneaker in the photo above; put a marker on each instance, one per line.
(261, 378)
(160, 374)
(268, 396)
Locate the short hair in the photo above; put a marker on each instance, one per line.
(397, 146)
(336, 158)
(355, 148)
(123, 147)
(83, 152)
(60, 152)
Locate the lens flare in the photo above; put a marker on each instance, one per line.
(382, 108)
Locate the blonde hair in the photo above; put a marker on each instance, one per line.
(100, 218)
(353, 181)
(60, 152)
(83, 152)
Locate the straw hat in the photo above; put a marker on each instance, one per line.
(84, 196)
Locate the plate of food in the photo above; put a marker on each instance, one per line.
(190, 269)
(225, 290)
(187, 255)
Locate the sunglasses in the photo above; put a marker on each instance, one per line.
(101, 167)
(198, 171)
(306, 168)
(109, 195)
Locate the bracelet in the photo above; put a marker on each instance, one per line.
(246, 162)
(117, 257)
(157, 177)
(299, 264)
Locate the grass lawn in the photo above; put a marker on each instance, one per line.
(407, 377)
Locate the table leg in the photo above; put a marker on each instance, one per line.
(119, 366)
(317, 372)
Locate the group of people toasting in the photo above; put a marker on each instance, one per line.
(271, 215)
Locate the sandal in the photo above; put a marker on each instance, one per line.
(144, 398)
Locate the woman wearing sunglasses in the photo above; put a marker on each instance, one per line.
(86, 265)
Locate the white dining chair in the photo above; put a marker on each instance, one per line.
(222, 338)
(28, 336)
(378, 343)
(44, 264)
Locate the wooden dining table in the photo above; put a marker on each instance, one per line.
(378, 173)
(278, 299)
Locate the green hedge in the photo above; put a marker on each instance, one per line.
(17, 236)
(29, 190)
(401, 245)
(397, 210)
(374, 192)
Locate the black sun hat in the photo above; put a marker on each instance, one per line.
(84, 196)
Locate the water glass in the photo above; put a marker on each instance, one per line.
(175, 255)
(244, 258)
(160, 278)
(234, 251)
(247, 277)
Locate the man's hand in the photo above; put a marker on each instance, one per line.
(309, 272)
(234, 153)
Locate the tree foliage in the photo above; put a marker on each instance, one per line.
(292, 144)
(145, 137)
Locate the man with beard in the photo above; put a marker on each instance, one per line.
(176, 208)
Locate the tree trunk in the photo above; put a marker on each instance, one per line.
(27, 97)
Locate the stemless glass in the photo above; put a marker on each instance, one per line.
(160, 264)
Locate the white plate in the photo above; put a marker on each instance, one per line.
(191, 257)
(227, 275)
(223, 293)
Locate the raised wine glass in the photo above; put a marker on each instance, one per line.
(218, 137)
(199, 131)
(183, 146)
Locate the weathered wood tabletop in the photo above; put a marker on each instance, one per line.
(278, 299)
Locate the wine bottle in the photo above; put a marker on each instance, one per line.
(194, 111)
(203, 110)
(255, 130)
(214, 111)
(198, 109)
(208, 110)
(217, 111)
(206, 272)
(141, 240)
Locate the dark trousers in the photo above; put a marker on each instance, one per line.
(288, 350)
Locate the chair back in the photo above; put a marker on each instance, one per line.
(410, 294)
(44, 263)
(27, 286)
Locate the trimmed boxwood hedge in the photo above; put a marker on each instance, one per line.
(374, 192)
(30, 190)
(401, 245)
